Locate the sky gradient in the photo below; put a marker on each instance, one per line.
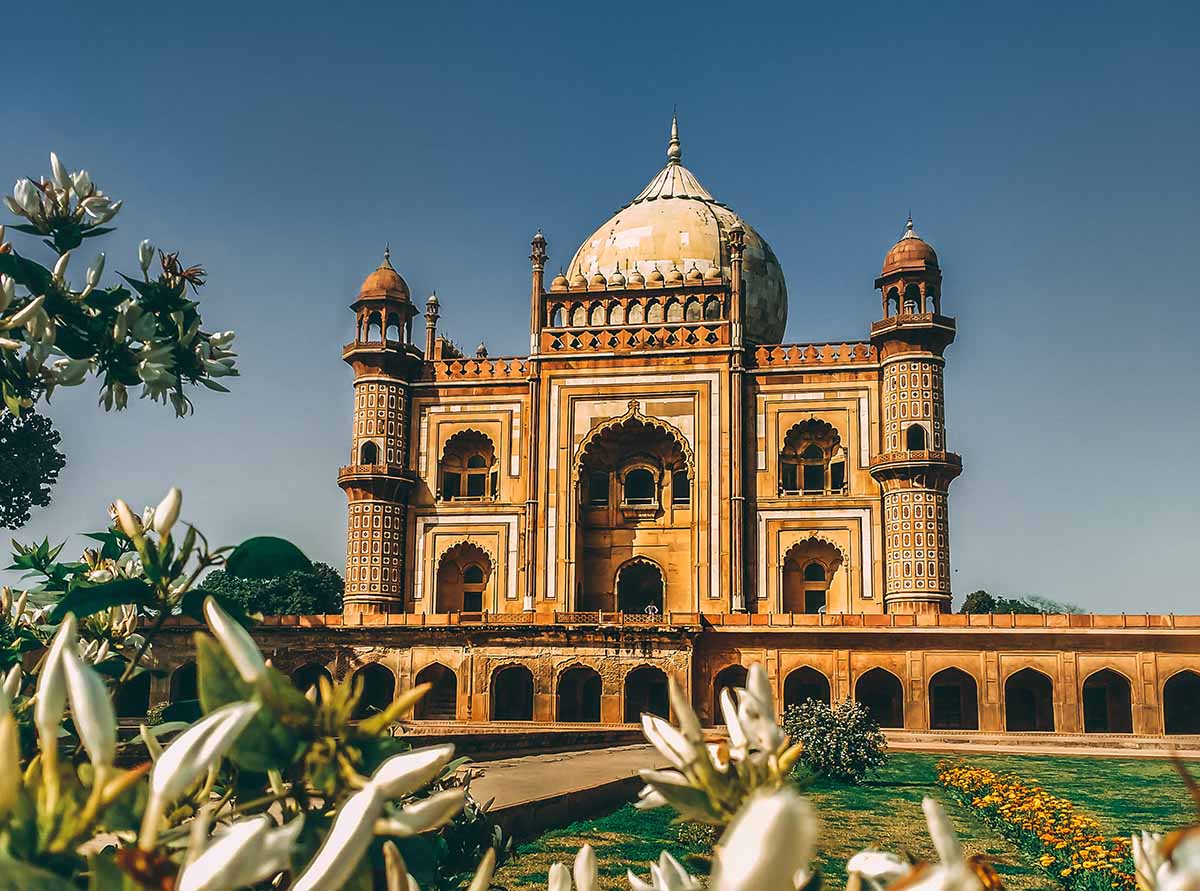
(1049, 153)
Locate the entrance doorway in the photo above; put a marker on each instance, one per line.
(639, 586)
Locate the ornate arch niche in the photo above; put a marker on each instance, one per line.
(808, 570)
(812, 460)
(464, 575)
(467, 470)
(632, 470)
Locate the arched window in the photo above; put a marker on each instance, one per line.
(912, 299)
(681, 488)
(512, 694)
(806, 462)
(1181, 703)
(914, 438)
(814, 572)
(953, 701)
(808, 569)
(556, 317)
(579, 316)
(368, 453)
(893, 302)
(654, 313)
(441, 702)
(616, 315)
(578, 695)
(1107, 703)
(640, 487)
(692, 311)
(374, 328)
(378, 686)
(637, 315)
(646, 692)
(880, 691)
(712, 310)
(933, 298)
(597, 315)
(462, 579)
(1029, 702)
(804, 684)
(674, 311)
(468, 467)
(727, 679)
(392, 334)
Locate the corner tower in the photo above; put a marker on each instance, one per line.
(377, 481)
(913, 468)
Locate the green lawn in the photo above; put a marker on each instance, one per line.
(885, 812)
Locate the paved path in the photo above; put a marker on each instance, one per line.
(513, 781)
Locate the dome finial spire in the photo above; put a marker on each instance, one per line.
(387, 255)
(674, 155)
(908, 228)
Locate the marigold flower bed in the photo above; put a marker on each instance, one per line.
(1068, 844)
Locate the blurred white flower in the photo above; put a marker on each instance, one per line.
(768, 846)
(145, 256)
(27, 197)
(81, 183)
(668, 874)
(243, 854)
(343, 847)
(59, 173)
(50, 697)
(167, 511)
(407, 772)
(236, 641)
(422, 816)
(91, 709)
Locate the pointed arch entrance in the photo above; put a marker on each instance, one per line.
(1107, 703)
(809, 568)
(804, 684)
(640, 586)
(646, 691)
(1029, 702)
(953, 701)
(378, 686)
(1181, 702)
(578, 695)
(881, 692)
(512, 694)
(726, 679)
(441, 702)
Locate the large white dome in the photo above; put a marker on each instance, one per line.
(676, 222)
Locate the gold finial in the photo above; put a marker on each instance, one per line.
(674, 154)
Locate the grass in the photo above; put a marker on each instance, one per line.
(886, 813)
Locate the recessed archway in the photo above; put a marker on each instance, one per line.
(726, 679)
(640, 587)
(183, 683)
(646, 691)
(441, 702)
(953, 701)
(1029, 702)
(804, 684)
(378, 686)
(464, 574)
(1181, 702)
(132, 699)
(1107, 703)
(512, 694)
(881, 692)
(309, 676)
(579, 689)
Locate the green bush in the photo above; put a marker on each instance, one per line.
(842, 743)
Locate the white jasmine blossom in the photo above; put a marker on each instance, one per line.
(668, 874)
(248, 852)
(769, 845)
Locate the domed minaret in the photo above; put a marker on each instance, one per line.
(377, 480)
(914, 468)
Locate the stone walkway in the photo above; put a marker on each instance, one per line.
(515, 781)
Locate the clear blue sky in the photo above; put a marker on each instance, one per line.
(1049, 151)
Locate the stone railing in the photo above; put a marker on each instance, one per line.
(915, 320)
(660, 336)
(924, 456)
(734, 621)
(477, 369)
(801, 355)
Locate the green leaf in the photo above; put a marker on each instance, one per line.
(97, 230)
(268, 740)
(86, 601)
(266, 557)
(16, 875)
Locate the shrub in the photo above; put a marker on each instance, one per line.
(842, 743)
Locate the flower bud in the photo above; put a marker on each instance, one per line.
(11, 203)
(91, 710)
(244, 854)
(8, 290)
(60, 268)
(237, 643)
(10, 763)
(767, 845)
(28, 197)
(585, 869)
(145, 255)
(125, 518)
(167, 512)
(27, 314)
(81, 182)
(344, 845)
(50, 699)
(59, 172)
(559, 878)
(95, 270)
(427, 814)
(407, 772)
(11, 688)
